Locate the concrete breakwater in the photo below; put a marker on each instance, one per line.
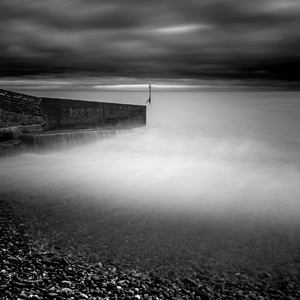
(25, 115)
(48, 139)
(19, 113)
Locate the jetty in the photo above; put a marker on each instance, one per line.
(31, 120)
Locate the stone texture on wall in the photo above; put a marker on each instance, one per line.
(65, 114)
(20, 113)
(19, 109)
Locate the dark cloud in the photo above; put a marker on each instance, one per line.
(170, 39)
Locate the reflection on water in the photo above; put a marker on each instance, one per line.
(211, 174)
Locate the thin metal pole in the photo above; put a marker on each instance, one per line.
(149, 99)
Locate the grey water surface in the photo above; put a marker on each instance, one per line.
(212, 179)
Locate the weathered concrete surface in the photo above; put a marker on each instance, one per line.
(26, 107)
(20, 113)
(49, 139)
(65, 114)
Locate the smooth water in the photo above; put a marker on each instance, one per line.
(227, 159)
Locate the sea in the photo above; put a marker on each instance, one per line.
(212, 179)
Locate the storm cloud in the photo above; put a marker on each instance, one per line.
(163, 40)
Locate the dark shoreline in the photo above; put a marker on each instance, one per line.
(33, 269)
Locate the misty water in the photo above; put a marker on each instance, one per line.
(212, 180)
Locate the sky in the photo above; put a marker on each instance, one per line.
(106, 43)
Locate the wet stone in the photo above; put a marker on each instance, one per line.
(38, 272)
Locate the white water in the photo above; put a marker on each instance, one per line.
(201, 153)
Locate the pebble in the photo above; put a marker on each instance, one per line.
(34, 297)
(98, 265)
(83, 296)
(66, 291)
(66, 283)
(23, 295)
(52, 295)
(28, 272)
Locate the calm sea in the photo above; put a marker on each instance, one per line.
(213, 175)
(271, 118)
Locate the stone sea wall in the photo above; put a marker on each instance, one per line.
(20, 113)
(74, 114)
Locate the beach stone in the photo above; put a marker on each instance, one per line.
(23, 295)
(66, 291)
(98, 265)
(68, 278)
(191, 281)
(66, 283)
(83, 296)
(202, 295)
(34, 297)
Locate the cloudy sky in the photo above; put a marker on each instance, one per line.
(60, 43)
